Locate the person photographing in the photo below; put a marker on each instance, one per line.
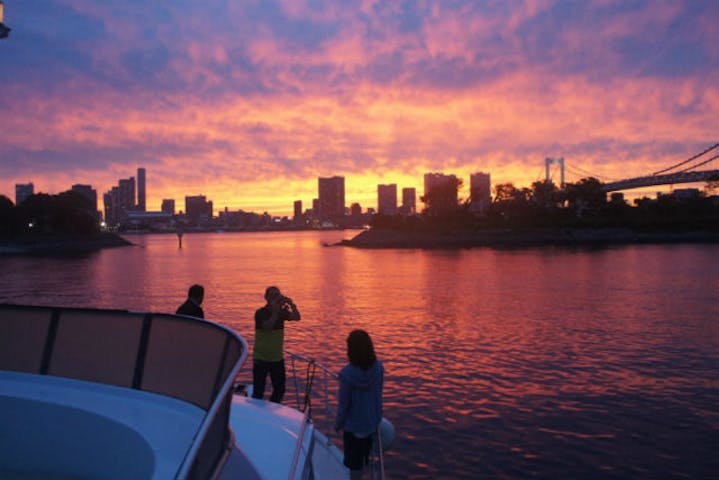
(269, 343)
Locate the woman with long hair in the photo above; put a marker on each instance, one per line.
(359, 409)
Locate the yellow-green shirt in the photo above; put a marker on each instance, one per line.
(269, 342)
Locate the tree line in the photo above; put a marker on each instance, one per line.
(43, 214)
(544, 205)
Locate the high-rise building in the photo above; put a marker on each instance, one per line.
(23, 191)
(126, 194)
(168, 206)
(88, 192)
(297, 209)
(119, 200)
(141, 204)
(480, 193)
(331, 202)
(91, 195)
(440, 180)
(409, 201)
(387, 199)
(197, 208)
(112, 209)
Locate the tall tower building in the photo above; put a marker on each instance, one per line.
(331, 201)
(141, 205)
(126, 193)
(387, 199)
(435, 180)
(297, 209)
(111, 199)
(480, 192)
(23, 191)
(119, 200)
(409, 201)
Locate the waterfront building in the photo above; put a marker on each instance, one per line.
(152, 221)
(331, 201)
(168, 206)
(110, 218)
(141, 205)
(198, 209)
(297, 209)
(119, 200)
(126, 194)
(409, 201)
(86, 191)
(480, 192)
(23, 191)
(686, 193)
(387, 199)
(90, 194)
(440, 180)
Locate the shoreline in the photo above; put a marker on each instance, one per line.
(564, 237)
(61, 244)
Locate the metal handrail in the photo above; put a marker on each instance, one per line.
(377, 457)
(298, 447)
(380, 455)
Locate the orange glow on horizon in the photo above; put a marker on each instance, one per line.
(380, 107)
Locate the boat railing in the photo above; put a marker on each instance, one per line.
(189, 359)
(298, 450)
(312, 388)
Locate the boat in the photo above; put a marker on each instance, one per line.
(116, 394)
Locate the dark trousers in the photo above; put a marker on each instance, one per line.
(260, 369)
(356, 450)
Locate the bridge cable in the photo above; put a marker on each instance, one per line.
(688, 160)
(699, 164)
(580, 170)
(584, 172)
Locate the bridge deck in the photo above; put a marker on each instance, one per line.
(668, 179)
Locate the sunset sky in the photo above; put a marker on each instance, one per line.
(248, 102)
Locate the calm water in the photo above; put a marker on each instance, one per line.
(537, 363)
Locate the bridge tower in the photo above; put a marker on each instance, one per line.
(558, 161)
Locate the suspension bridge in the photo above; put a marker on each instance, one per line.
(679, 173)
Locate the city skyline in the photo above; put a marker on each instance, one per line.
(129, 194)
(250, 103)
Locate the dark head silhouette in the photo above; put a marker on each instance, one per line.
(360, 349)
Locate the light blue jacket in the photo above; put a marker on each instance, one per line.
(359, 408)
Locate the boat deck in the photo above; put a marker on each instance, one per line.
(65, 428)
(267, 431)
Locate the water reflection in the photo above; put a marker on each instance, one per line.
(545, 363)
